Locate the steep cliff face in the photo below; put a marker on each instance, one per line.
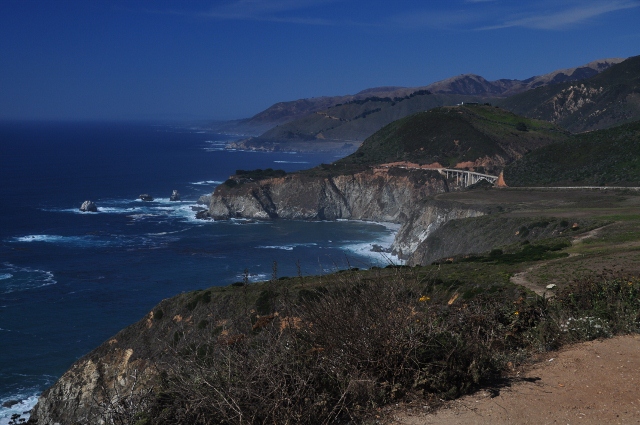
(112, 383)
(375, 194)
(426, 220)
(481, 233)
(394, 195)
(95, 390)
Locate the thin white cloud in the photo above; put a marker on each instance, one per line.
(562, 18)
(497, 14)
(269, 11)
(437, 19)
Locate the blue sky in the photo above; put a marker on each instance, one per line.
(226, 59)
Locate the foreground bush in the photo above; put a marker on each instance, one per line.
(334, 355)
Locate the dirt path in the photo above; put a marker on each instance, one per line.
(590, 383)
(522, 278)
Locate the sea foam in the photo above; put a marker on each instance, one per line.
(22, 408)
(15, 279)
(384, 241)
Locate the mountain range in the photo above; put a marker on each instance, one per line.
(334, 120)
(609, 98)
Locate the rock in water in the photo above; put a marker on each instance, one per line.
(146, 197)
(10, 403)
(203, 215)
(88, 206)
(175, 196)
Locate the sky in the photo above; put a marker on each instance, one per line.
(230, 59)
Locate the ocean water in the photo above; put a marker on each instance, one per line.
(69, 280)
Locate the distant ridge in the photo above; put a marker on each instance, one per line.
(607, 99)
(340, 123)
(471, 84)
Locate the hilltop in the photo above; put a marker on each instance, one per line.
(604, 100)
(476, 137)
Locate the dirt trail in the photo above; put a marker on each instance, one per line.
(590, 383)
(522, 277)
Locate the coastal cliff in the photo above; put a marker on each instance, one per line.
(395, 195)
(108, 385)
(378, 194)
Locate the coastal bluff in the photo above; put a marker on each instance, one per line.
(394, 195)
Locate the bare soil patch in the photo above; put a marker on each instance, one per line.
(589, 383)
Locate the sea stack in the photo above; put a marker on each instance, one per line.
(146, 197)
(88, 206)
(175, 196)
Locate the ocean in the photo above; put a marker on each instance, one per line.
(70, 280)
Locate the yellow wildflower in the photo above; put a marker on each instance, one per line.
(424, 298)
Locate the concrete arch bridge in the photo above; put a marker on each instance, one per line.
(466, 178)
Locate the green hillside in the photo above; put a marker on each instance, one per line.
(451, 135)
(604, 157)
(608, 99)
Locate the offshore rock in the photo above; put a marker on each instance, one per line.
(175, 196)
(203, 215)
(146, 197)
(88, 206)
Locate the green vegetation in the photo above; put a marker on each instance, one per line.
(243, 176)
(352, 342)
(604, 157)
(259, 174)
(529, 252)
(452, 135)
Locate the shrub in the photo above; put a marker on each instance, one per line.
(338, 353)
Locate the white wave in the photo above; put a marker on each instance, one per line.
(23, 278)
(81, 241)
(206, 182)
(117, 210)
(24, 405)
(167, 201)
(101, 209)
(4, 276)
(253, 277)
(138, 217)
(369, 249)
(245, 221)
(288, 247)
(166, 233)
